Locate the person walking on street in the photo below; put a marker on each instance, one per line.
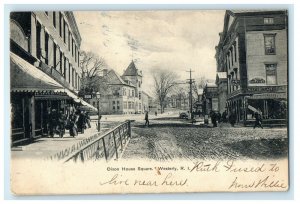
(258, 120)
(147, 119)
(213, 117)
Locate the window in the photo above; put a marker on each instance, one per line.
(125, 105)
(132, 92)
(234, 47)
(269, 44)
(60, 61)
(118, 107)
(268, 20)
(64, 31)
(69, 38)
(38, 40)
(60, 24)
(54, 55)
(271, 74)
(46, 12)
(46, 48)
(54, 19)
(114, 102)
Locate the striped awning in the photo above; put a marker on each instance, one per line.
(24, 77)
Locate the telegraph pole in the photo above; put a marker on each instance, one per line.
(191, 81)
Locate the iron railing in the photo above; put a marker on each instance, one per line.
(108, 146)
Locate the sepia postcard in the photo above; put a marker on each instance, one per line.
(161, 101)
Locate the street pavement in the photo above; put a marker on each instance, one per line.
(169, 138)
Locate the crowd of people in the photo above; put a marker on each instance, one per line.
(76, 121)
(216, 118)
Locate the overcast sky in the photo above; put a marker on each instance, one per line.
(176, 40)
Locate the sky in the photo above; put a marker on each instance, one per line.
(174, 40)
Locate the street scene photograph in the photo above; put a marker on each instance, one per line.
(127, 89)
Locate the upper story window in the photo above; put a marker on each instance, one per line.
(271, 76)
(269, 44)
(268, 20)
(60, 24)
(54, 19)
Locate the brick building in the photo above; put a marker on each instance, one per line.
(44, 66)
(253, 52)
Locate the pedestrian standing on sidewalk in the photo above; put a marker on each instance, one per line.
(258, 120)
(147, 119)
(62, 121)
(232, 118)
(73, 126)
(88, 119)
(52, 122)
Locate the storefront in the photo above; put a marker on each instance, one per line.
(269, 101)
(33, 95)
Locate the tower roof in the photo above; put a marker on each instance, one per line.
(132, 70)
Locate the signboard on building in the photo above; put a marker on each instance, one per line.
(88, 96)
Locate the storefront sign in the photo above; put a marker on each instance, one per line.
(257, 81)
(88, 96)
(260, 89)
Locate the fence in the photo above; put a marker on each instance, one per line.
(106, 147)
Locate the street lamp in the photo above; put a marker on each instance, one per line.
(98, 107)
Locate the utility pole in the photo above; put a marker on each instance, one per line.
(191, 81)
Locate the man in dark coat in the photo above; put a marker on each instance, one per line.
(81, 122)
(147, 119)
(258, 120)
(52, 122)
(62, 121)
(213, 117)
(232, 119)
(224, 116)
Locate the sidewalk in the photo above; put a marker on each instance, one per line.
(46, 147)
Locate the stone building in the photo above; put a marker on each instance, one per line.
(44, 67)
(253, 52)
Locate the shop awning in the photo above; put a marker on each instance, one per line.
(86, 104)
(24, 77)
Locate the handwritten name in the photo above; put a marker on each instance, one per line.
(206, 167)
(266, 182)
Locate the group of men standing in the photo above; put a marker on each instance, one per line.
(76, 121)
(216, 118)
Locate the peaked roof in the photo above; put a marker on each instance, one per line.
(131, 70)
(115, 79)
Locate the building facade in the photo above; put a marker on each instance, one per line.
(134, 76)
(124, 94)
(210, 98)
(45, 72)
(253, 52)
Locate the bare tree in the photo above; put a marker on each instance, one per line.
(91, 66)
(199, 84)
(164, 81)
